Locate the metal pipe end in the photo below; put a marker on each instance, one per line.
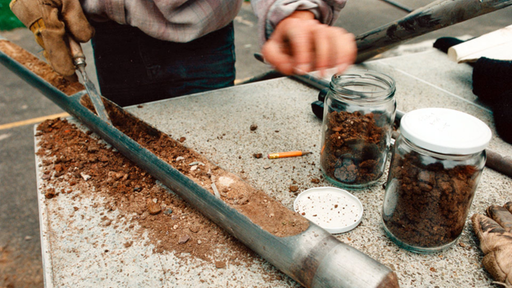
(345, 266)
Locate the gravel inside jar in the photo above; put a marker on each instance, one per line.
(355, 146)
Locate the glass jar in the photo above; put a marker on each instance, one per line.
(359, 111)
(435, 168)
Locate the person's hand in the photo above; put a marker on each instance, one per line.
(301, 44)
(52, 22)
(495, 235)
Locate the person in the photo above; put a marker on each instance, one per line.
(150, 50)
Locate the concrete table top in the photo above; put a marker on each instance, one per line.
(217, 124)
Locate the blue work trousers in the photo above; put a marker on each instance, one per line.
(135, 68)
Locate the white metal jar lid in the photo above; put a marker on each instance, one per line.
(334, 209)
(445, 131)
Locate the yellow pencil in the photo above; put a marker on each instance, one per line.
(287, 154)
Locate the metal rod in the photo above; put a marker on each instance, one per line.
(312, 81)
(398, 5)
(79, 61)
(314, 258)
(437, 15)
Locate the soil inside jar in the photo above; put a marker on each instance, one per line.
(354, 150)
(430, 202)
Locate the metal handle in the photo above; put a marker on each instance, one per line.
(437, 15)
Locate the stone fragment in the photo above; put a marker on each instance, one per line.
(220, 264)
(153, 208)
(183, 239)
(50, 193)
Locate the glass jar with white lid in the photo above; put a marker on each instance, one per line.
(435, 169)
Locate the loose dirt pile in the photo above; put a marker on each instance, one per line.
(78, 161)
(76, 158)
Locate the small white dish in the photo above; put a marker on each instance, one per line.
(336, 210)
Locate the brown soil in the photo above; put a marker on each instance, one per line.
(263, 210)
(354, 150)
(40, 68)
(76, 158)
(432, 202)
(84, 164)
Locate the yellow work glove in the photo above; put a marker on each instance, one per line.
(495, 235)
(52, 22)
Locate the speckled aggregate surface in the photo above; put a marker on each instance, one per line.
(217, 124)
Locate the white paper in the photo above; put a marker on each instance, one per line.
(495, 45)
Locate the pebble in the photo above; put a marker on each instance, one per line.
(153, 208)
(183, 239)
(243, 200)
(50, 193)
(194, 229)
(106, 222)
(220, 264)
(85, 176)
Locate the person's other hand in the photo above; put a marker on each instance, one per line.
(52, 22)
(301, 44)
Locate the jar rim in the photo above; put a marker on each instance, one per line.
(364, 85)
(439, 155)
